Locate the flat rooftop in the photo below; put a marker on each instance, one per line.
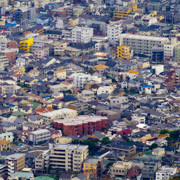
(141, 37)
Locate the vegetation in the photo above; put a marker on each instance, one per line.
(93, 144)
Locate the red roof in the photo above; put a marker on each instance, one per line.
(133, 172)
(125, 131)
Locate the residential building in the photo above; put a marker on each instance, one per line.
(122, 12)
(86, 96)
(80, 107)
(15, 162)
(3, 42)
(123, 52)
(79, 79)
(68, 157)
(82, 34)
(142, 44)
(165, 172)
(157, 55)
(149, 170)
(92, 167)
(119, 169)
(177, 53)
(25, 45)
(39, 136)
(169, 48)
(113, 32)
(8, 136)
(58, 114)
(4, 62)
(4, 145)
(82, 125)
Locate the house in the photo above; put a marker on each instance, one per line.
(145, 89)
(4, 145)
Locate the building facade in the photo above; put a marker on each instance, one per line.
(39, 136)
(68, 157)
(82, 125)
(82, 34)
(142, 44)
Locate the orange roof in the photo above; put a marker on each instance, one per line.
(3, 142)
(91, 136)
(133, 72)
(163, 136)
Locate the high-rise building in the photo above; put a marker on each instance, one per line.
(113, 32)
(68, 157)
(177, 54)
(82, 34)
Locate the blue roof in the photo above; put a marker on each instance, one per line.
(40, 81)
(146, 86)
(44, 97)
(11, 105)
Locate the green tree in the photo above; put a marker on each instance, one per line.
(105, 141)
(154, 145)
(164, 131)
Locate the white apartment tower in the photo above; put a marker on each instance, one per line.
(82, 34)
(113, 33)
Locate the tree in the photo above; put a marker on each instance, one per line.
(105, 141)
(154, 145)
(164, 131)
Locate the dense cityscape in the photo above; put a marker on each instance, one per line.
(90, 89)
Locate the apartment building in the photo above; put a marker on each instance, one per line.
(15, 162)
(122, 12)
(113, 32)
(8, 136)
(59, 114)
(3, 42)
(4, 145)
(92, 167)
(68, 157)
(82, 34)
(120, 169)
(124, 52)
(142, 44)
(25, 45)
(4, 62)
(82, 125)
(80, 79)
(39, 136)
(169, 48)
(177, 53)
(165, 172)
(86, 96)
(7, 88)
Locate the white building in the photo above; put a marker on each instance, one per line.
(140, 118)
(164, 173)
(142, 44)
(59, 114)
(113, 33)
(41, 135)
(80, 79)
(169, 48)
(4, 63)
(117, 101)
(105, 90)
(157, 69)
(3, 43)
(82, 34)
